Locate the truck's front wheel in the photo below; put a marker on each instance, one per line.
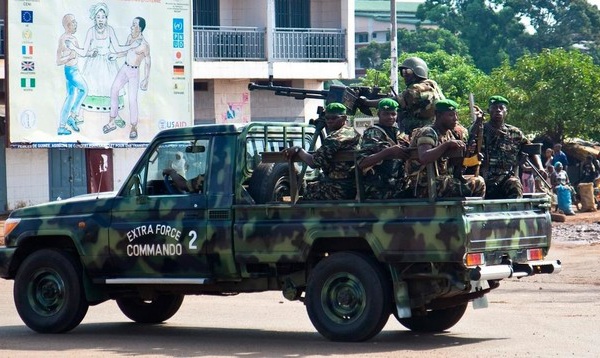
(48, 292)
(434, 320)
(348, 297)
(156, 310)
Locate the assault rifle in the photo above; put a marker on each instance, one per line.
(349, 96)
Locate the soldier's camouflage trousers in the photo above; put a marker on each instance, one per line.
(387, 189)
(449, 186)
(329, 189)
(504, 186)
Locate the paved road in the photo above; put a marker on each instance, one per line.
(541, 316)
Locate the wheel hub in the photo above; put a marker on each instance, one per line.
(47, 293)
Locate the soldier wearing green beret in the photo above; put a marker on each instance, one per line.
(382, 154)
(502, 146)
(434, 143)
(336, 180)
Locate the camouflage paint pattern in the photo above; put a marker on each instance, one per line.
(242, 247)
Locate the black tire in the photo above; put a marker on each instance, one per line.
(269, 182)
(157, 310)
(348, 297)
(48, 292)
(434, 320)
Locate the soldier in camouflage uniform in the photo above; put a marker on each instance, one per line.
(382, 155)
(417, 101)
(502, 146)
(337, 180)
(433, 143)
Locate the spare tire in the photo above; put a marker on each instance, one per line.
(269, 182)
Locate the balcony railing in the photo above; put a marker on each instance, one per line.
(309, 45)
(219, 43)
(216, 43)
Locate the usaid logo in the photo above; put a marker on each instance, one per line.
(170, 124)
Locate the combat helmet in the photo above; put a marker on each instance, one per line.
(417, 65)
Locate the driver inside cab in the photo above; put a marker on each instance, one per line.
(193, 185)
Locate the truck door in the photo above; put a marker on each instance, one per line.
(156, 231)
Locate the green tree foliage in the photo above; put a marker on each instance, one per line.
(421, 40)
(373, 55)
(491, 33)
(553, 94)
(431, 40)
(557, 23)
(494, 31)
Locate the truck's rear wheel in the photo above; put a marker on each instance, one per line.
(156, 310)
(348, 297)
(48, 292)
(434, 320)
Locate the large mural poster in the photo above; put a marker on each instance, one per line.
(98, 73)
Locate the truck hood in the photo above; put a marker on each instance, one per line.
(78, 205)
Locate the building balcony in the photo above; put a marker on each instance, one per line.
(222, 43)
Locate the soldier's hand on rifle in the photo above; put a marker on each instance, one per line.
(289, 153)
(478, 113)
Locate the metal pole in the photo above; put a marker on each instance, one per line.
(394, 47)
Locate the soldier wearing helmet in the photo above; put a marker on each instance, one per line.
(417, 101)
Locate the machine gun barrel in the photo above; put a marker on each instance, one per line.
(348, 96)
(297, 93)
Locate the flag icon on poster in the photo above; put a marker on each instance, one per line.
(27, 66)
(27, 82)
(178, 70)
(27, 50)
(27, 16)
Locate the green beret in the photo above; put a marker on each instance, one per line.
(387, 104)
(498, 99)
(444, 105)
(335, 108)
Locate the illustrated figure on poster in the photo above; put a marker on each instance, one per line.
(129, 74)
(98, 70)
(75, 83)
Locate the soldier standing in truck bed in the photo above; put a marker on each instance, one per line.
(416, 104)
(417, 101)
(337, 179)
(502, 148)
(383, 152)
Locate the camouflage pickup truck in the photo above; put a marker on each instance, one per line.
(241, 229)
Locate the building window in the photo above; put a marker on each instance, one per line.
(361, 37)
(206, 13)
(292, 13)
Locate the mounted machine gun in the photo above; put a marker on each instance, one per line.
(347, 95)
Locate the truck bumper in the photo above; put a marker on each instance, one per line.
(6, 256)
(499, 272)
